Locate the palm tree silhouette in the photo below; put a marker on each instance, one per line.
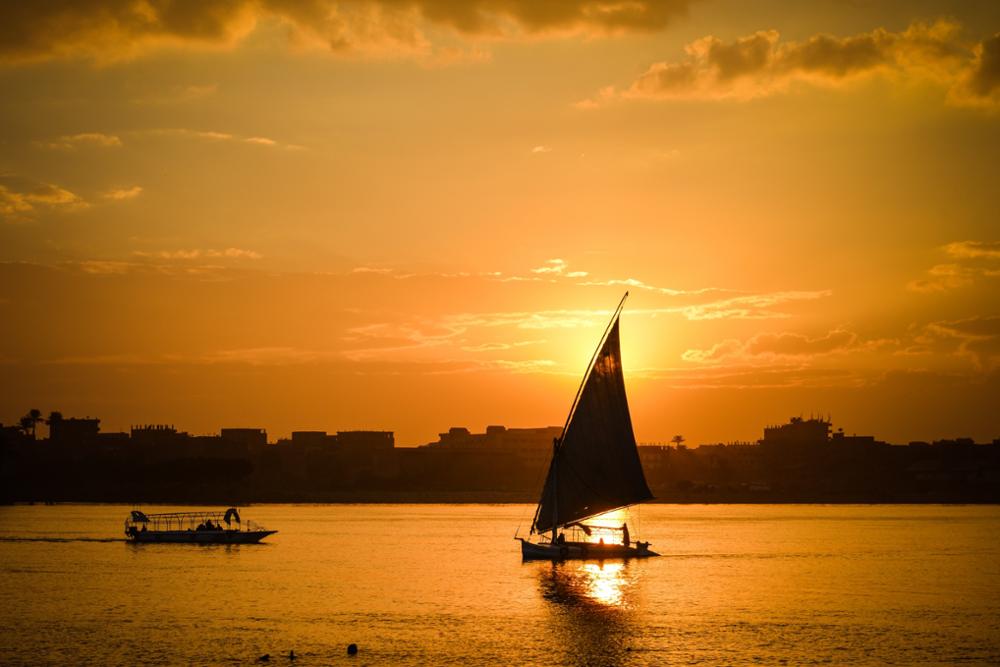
(30, 421)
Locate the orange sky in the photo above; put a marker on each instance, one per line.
(300, 214)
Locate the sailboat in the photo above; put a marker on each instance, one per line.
(595, 468)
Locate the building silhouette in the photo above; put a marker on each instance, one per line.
(804, 460)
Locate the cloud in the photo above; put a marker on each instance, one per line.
(783, 344)
(776, 376)
(226, 253)
(118, 194)
(551, 266)
(944, 278)
(978, 339)
(668, 291)
(108, 30)
(974, 249)
(105, 267)
(981, 83)
(265, 356)
(747, 307)
(493, 347)
(761, 64)
(541, 149)
(973, 261)
(520, 366)
(181, 265)
(551, 270)
(19, 201)
(212, 135)
(394, 342)
(451, 332)
(73, 141)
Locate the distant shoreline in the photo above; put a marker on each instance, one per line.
(491, 499)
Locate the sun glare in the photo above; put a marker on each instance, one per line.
(606, 527)
(605, 582)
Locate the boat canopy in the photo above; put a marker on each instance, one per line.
(595, 465)
(181, 520)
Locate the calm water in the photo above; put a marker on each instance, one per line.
(444, 584)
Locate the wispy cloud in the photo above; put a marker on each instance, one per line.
(387, 342)
(669, 291)
(978, 339)
(784, 344)
(494, 347)
(974, 249)
(118, 194)
(105, 267)
(553, 270)
(197, 253)
(971, 262)
(460, 332)
(747, 307)
(772, 376)
(371, 269)
(223, 137)
(74, 141)
(558, 267)
(551, 266)
(266, 356)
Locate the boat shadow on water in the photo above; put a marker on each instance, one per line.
(591, 607)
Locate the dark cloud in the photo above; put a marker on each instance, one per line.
(114, 29)
(761, 64)
(984, 81)
(978, 338)
(741, 57)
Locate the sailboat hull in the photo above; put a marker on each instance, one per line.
(581, 551)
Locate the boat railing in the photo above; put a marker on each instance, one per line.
(183, 521)
(592, 532)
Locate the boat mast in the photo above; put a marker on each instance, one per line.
(555, 487)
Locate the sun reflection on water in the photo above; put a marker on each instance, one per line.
(591, 609)
(601, 584)
(604, 582)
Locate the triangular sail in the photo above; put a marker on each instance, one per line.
(595, 467)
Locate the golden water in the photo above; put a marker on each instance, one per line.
(444, 584)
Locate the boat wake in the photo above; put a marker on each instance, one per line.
(15, 538)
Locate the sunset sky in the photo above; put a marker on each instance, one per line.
(415, 214)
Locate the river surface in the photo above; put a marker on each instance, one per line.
(445, 585)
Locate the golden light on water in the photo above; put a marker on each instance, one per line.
(604, 582)
(597, 586)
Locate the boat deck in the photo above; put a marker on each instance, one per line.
(582, 550)
(201, 536)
